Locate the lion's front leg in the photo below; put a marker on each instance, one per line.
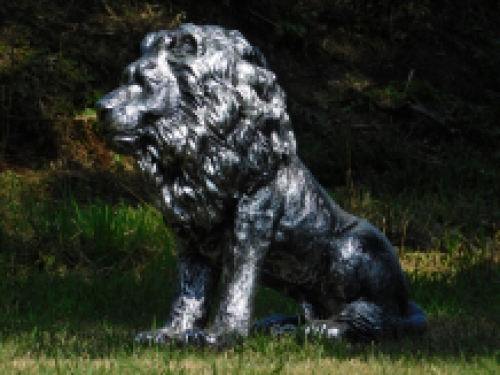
(191, 305)
(253, 232)
(241, 272)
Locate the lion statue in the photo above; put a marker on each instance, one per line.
(207, 123)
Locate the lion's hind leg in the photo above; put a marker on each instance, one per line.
(363, 320)
(414, 322)
(359, 321)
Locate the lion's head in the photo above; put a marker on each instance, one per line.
(203, 116)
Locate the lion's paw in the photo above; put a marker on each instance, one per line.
(190, 337)
(196, 337)
(278, 325)
(157, 336)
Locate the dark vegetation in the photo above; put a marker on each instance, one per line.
(420, 72)
(396, 107)
(400, 98)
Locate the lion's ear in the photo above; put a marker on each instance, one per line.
(152, 38)
(255, 56)
(148, 41)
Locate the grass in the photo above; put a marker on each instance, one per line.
(61, 231)
(79, 314)
(80, 323)
(84, 324)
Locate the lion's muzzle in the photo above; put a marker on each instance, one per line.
(119, 110)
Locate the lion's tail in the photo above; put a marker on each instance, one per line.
(415, 321)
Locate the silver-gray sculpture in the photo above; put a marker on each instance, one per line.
(207, 123)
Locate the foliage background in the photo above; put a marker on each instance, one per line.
(396, 101)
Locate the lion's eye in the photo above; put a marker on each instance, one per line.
(164, 42)
(184, 46)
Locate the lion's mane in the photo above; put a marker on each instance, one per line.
(207, 119)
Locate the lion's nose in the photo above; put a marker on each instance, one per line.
(103, 109)
(147, 64)
(114, 108)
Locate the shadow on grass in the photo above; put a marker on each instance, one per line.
(99, 315)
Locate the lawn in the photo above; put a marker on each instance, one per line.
(106, 270)
(81, 323)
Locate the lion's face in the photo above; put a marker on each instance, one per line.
(203, 117)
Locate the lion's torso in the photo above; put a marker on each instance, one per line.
(316, 246)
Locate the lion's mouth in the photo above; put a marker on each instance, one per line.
(121, 143)
(158, 165)
(125, 140)
(128, 142)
